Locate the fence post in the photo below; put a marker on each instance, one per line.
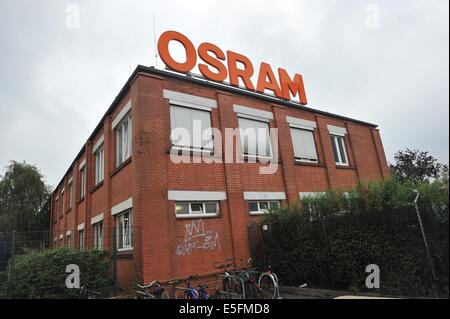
(11, 263)
(114, 261)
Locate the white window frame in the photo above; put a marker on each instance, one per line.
(81, 242)
(98, 239)
(125, 232)
(299, 158)
(82, 181)
(99, 164)
(337, 151)
(242, 137)
(70, 197)
(123, 133)
(173, 107)
(69, 240)
(193, 214)
(262, 211)
(63, 202)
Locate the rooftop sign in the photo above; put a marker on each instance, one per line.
(226, 65)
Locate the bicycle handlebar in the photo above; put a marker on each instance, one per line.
(153, 283)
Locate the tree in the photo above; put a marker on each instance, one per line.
(416, 166)
(23, 198)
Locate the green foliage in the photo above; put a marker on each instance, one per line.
(42, 274)
(327, 241)
(23, 195)
(417, 167)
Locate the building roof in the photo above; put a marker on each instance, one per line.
(196, 79)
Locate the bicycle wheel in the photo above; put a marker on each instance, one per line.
(232, 288)
(268, 286)
(252, 291)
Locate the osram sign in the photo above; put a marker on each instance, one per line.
(217, 66)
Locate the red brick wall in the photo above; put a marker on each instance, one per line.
(150, 174)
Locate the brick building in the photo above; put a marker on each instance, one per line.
(171, 219)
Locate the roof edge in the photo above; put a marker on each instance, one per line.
(201, 81)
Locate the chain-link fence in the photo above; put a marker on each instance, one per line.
(121, 247)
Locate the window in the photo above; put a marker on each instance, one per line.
(123, 140)
(57, 207)
(196, 209)
(82, 182)
(70, 195)
(98, 235)
(123, 232)
(304, 145)
(340, 153)
(63, 204)
(255, 137)
(189, 119)
(81, 239)
(262, 207)
(69, 241)
(99, 164)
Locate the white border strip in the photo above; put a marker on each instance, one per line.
(82, 164)
(123, 206)
(188, 100)
(70, 180)
(80, 227)
(300, 123)
(97, 219)
(310, 194)
(252, 113)
(121, 115)
(98, 144)
(264, 195)
(189, 196)
(336, 130)
(69, 233)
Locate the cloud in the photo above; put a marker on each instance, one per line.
(58, 82)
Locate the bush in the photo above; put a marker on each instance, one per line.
(328, 241)
(42, 274)
(3, 284)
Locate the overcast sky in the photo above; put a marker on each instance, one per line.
(384, 62)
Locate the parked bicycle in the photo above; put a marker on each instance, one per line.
(190, 292)
(230, 286)
(248, 283)
(154, 290)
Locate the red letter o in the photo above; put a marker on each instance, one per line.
(163, 48)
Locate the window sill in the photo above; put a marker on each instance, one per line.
(305, 163)
(80, 200)
(259, 159)
(189, 151)
(96, 187)
(126, 253)
(257, 213)
(120, 167)
(345, 167)
(196, 216)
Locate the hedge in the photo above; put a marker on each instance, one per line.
(42, 274)
(327, 241)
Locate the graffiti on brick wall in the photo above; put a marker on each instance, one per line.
(196, 238)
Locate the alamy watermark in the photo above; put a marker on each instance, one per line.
(373, 12)
(72, 16)
(373, 279)
(73, 279)
(253, 145)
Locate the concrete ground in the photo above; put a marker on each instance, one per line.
(309, 293)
